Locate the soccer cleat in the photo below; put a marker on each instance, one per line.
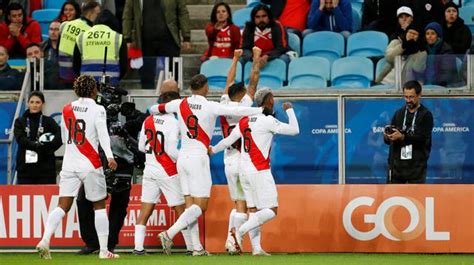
(188, 253)
(43, 251)
(201, 252)
(108, 255)
(139, 252)
(237, 240)
(230, 247)
(260, 252)
(166, 242)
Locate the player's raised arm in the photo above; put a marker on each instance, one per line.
(228, 141)
(255, 74)
(170, 107)
(233, 69)
(292, 128)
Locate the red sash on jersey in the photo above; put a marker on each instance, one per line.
(255, 154)
(166, 162)
(186, 112)
(86, 149)
(226, 130)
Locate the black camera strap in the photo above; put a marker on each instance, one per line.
(412, 122)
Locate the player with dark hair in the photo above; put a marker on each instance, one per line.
(83, 127)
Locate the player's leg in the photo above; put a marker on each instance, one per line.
(96, 192)
(69, 185)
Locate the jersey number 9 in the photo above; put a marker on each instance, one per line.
(193, 126)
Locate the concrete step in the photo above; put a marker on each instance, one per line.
(196, 48)
(198, 35)
(200, 14)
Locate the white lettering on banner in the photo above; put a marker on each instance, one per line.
(40, 215)
(23, 215)
(71, 225)
(3, 227)
(162, 218)
(384, 224)
(156, 218)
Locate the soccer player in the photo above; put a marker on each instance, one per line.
(237, 95)
(83, 127)
(197, 118)
(159, 141)
(256, 133)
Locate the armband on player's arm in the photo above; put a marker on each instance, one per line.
(169, 107)
(157, 109)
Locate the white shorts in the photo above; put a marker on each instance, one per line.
(94, 184)
(153, 186)
(232, 173)
(195, 175)
(248, 191)
(263, 189)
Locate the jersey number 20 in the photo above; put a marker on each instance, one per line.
(152, 140)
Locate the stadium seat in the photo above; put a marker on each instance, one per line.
(308, 72)
(253, 3)
(294, 42)
(357, 5)
(356, 20)
(467, 13)
(466, 2)
(241, 16)
(18, 64)
(367, 43)
(326, 44)
(216, 72)
(45, 37)
(379, 67)
(352, 72)
(45, 17)
(272, 75)
(53, 4)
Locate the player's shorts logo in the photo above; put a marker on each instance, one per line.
(421, 218)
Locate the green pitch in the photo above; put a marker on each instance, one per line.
(285, 259)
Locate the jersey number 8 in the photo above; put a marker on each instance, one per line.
(77, 131)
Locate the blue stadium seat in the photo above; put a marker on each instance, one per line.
(308, 72)
(18, 64)
(352, 72)
(53, 4)
(379, 66)
(45, 36)
(356, 19)
(467, 13)
(272, 75)
(466, 3)
(241, 16)
(216, 72)
(367, 43)
(294, 42)
(357, 5)
(326, 44)
(253, 3)
(45, 17)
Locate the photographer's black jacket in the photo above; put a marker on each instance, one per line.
(46, 165)
(414, 168)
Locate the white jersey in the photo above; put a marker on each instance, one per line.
(159, 141)
(228, 123)
(83, 127)
(257, 133)
(197, 120)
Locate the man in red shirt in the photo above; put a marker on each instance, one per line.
(265, 33)
(18, 31)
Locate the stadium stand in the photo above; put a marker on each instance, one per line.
(294, 42)
(45, 17)
(241, 16)
(352, 72)
(18, 64)
(216, 72)
(308, 72)
(253, 3)
(467, 14)
(53, 4)
(356, 20)
(357, 5)
(466, 2)
(367, 43)
(326, 44)
(273, 75)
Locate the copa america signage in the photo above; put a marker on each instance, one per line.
(421, 219)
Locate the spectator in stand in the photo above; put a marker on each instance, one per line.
(154, 28)
(38, 137)
(440, 63)
(105, 4)
(18, 31)
(29, 5)
(455, 32)
(426, 11)
(411, 47)
(69, 11)
(2, 11)
(330, 15)
(380, 15)
(267, 34)
(9, 78)
(405, 18)
(292, 14)
(50, 53)
(222, 35)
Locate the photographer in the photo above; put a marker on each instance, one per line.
(409, 137)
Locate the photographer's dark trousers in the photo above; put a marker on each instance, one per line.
(117, 212)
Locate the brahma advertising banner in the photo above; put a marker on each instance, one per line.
(24, 210)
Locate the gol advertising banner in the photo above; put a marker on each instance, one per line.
(358, 218)
(24, 210)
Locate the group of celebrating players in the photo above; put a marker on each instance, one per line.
(183, 176)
